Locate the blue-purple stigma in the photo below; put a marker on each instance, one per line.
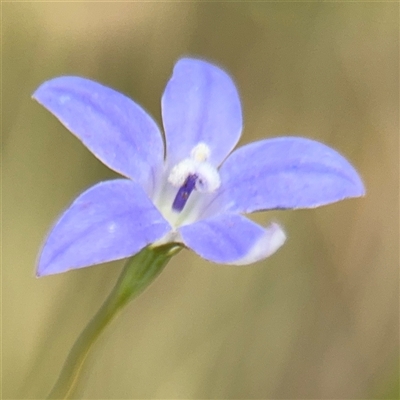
(184, 192)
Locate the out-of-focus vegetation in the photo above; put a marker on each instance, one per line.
(319, 319)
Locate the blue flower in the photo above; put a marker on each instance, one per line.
(197, 194)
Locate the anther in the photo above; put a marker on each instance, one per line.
(200, 153)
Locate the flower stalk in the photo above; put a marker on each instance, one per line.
(138, 273)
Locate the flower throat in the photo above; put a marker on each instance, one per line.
(194, 172)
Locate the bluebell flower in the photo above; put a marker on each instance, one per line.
(194, 194)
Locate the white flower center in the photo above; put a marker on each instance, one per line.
(186, 186)
(193, 173)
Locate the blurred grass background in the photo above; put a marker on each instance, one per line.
(319, 319)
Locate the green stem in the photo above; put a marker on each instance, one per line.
(138, 273)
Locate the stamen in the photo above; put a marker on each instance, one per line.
(181, 171)
(200, 152)
(184, 193)
(193, 173)
(208, 178)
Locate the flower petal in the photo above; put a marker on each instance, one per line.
(114, 128)
(110, 221)
(232, 239)
(288, 172)
(200, 104)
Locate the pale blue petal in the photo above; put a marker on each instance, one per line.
(113, 127)
(200, 104)
(232, 239)
(287, 172)
(110, 221)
